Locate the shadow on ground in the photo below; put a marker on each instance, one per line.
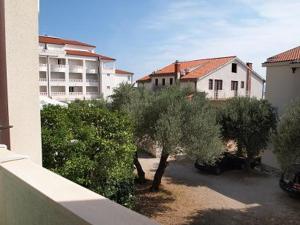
(152, 203)
(236, 217)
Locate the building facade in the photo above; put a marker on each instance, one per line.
(71, 70)
(283, 78)
(220, 78)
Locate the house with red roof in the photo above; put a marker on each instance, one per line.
(71, 70)
(220, 78)
(283, 78)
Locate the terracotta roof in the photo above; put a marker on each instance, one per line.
(192, 69)
(287, 56)
(60, 41)
(144, 79)
(88, 54)
(123, 72)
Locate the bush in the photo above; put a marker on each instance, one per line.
(91, 146)
(287, 139)
(249, 122)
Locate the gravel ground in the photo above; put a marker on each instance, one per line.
(233, 198)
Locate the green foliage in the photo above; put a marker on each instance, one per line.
(91, 146)
(287, 139)
(133, 102)
(249, 122)
(176, 122)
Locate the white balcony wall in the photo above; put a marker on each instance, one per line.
(30, 194)
(92, 67)
(80, 48)
(19, 87)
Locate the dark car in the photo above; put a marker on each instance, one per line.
(290, 180)
(229, 161)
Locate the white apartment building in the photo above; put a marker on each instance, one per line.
(283, 78)
(220, 78)
(72, 70)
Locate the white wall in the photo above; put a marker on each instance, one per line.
(257, 87)
(282, 86)
(227, 76)
(21, 41)
(113, 81)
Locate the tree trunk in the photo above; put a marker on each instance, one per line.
(249, 161)
(140, 171)
(160, 171)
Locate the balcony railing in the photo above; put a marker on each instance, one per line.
(31, 194)
(58, 80)
(42, 79)
(75, 93)
(91, 70)
(92, 93)
(76, 68)
(58, 68)
(75, 80)
(92, 80)
(58, 93)
(43, 93)
(43, 67)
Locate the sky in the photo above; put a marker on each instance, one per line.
(146, 35)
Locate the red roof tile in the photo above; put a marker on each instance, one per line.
(144, 79)
(88, 54)
(123, 72)
(60, 41)
(192, 69)
(287, 56)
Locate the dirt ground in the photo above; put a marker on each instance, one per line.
(189, 197)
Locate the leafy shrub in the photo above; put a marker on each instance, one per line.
(287, 139)
(91, 146)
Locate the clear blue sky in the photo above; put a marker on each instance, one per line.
(144, 35)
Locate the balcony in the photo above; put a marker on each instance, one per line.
(58, 93)
(75, 93)
(58, 81)
(31, 194)
(92, 82)
(43, 93)
(43, 67)
(75, 80)
(92, 70)
(76, 69)
(58, 68)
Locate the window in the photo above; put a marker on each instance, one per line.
(234, 85)
(210, 84)
(156, 82)
(128, 78)
(242, 84)
(108, 74)
(60, 61)
(71, 89)
(218, 85)
(234, 67)
(108, 87)
(171, 81)
(163, 81)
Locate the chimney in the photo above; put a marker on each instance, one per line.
(177, 70)
(248, 82)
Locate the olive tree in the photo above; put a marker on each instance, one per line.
(133, 102)
(287, 139)
(181, 125)
(250, 123)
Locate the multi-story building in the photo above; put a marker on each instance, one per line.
(283, 78)
(72, 70)
(219, 78)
